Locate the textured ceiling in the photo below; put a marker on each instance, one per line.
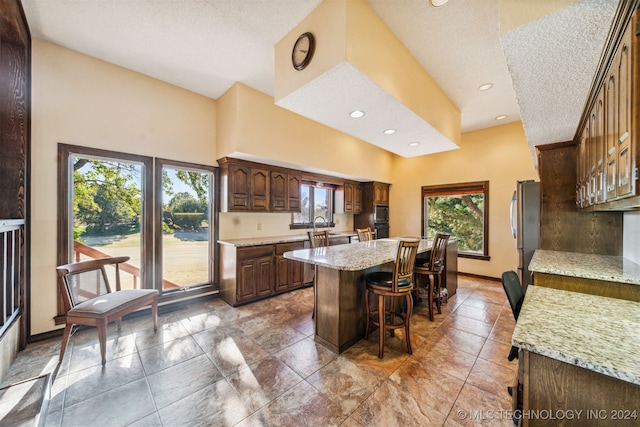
(207, 45)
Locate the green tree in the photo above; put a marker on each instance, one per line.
(106, 194)
(459, 216)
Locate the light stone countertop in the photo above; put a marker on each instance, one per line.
(353, 257)
(270, 240)
(586, 266)
(596, 333)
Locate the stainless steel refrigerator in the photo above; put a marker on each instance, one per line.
(525, 226)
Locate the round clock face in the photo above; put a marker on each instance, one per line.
(303, 51)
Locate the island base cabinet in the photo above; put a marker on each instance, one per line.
(340, 316)
(557, 393)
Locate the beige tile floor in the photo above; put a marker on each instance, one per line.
(258, 365)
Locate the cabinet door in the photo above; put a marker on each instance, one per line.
(282, 273)
(582, 176)
(380, 193)
(260, 181)
(357, 199)
(279, 195)
(626, 164)
(348, 197)
(611, 134)
(264, 276)
(597, 129)
(295, 181)
(246, 280)
(239, 187)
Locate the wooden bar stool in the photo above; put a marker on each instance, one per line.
(364, 234)
(317, 239)
(433, 270)
(396, 284)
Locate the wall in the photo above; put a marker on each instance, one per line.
(631, 231)
(499, 155)
(250, 124)
(77, 99)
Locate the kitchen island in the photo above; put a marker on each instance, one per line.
(340, 284)
(579, 360)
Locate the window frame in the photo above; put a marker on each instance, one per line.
(476, 187)
(313, 185)
(151, 183)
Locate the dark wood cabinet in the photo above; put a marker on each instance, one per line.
(255, 187)
(380, 193)
(373, 194)
(349, 198)
(256, 272)
(259, 191)
(254, 275)
(562, 226)
(289, 273)
(607, 177)
(285, 192)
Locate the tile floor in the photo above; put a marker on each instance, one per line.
(258, 365)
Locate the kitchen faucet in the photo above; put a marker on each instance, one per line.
(324, 221)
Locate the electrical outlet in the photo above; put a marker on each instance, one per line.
(259, 226)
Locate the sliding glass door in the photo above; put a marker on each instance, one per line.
(158, 212)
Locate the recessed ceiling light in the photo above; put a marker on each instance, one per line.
(501, 117)
(357, 114)
(438, 3)
(486, 86)
(414, 144)
(389, 131)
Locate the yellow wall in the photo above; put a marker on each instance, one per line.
(499, 155)
(349, 30)
(255, 126)
(80, 100)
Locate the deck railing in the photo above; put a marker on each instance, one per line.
(12, 270)
(82, 249)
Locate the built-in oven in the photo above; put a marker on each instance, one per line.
(381, 214)
(382, 230)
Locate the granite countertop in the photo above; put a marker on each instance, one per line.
(353, 257)
(587, 266)
(596, 333)
(270, 240)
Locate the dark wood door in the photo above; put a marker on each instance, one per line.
(246, 280)
(294, 189)
(264, 276)
(239, 187)
(279, 192)
(626, 160)
(259, 201)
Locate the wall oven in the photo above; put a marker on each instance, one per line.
(381, 214)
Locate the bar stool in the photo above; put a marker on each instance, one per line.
(433, 270)
(317, 239)
(364, 234)
(398, 283)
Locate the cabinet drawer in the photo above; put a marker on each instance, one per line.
(286, 247)
(255, 252)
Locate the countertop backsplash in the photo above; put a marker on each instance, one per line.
(246, 225)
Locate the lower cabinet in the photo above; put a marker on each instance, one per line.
(256, 272)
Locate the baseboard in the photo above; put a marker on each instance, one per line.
(479, 276)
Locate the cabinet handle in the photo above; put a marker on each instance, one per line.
(611, 151)
(624, 137)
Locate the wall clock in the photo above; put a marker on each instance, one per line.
(303, 51)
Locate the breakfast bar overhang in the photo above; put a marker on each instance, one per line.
(340, 283)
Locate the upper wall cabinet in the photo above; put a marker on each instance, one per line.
(608, 154)
(254, 187)
(349, 198)
(380, 193)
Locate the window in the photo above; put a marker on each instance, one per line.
(112, 204)
(316, 200)
(461, 210)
